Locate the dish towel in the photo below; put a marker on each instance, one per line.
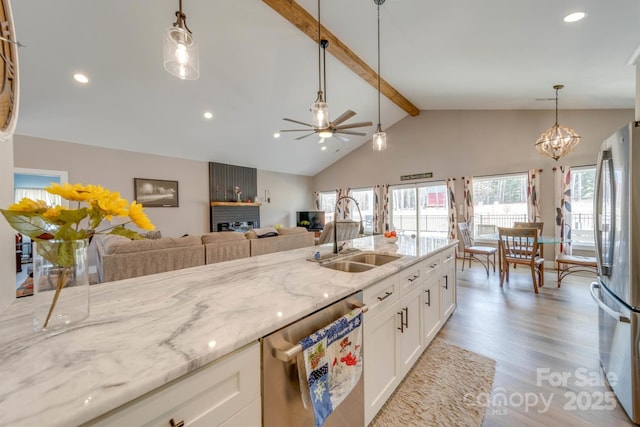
(332, 363)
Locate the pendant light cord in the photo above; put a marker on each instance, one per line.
(379, 126)
(319, 59)
(557, 89)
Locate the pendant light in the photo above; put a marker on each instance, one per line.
(558, 141)
(180, 51)
(320, 109)
(379, 137)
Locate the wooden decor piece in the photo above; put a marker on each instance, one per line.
(8, 72)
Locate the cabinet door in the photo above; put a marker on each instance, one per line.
(431, 309)
(381, 364)
(448, 282)
(410, 318)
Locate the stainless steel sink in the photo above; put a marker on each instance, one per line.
(373, 258)
(348, 266)
(360, 262)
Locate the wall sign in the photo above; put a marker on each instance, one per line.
(416, 176)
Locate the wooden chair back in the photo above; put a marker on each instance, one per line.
(519, 245)
(465, 234)
(537, 225)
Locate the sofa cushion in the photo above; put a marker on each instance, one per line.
(293, 230)
(222, 236)
(114, 244)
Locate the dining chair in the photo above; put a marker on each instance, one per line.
(520, 246)
(538, 226)
(471, 250)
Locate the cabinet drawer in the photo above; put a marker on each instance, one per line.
(448, 260)
(381, 295)
(411, 278)
(208, 396)
(431, 267)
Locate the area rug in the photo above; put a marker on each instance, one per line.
(442, 389)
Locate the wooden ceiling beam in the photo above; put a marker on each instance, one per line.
(306, 23)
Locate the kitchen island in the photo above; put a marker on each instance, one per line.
(146, 332)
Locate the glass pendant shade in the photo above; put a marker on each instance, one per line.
(379, 140)
(180, 54)
(320, 111)
(557, 141)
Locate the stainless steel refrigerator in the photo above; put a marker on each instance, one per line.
(617, 238)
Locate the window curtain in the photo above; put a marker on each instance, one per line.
(37, 194)
(380, 208)
(533, 196)
(453, 217)
(562, 179)
(344, 206)
(468, 202)
(316, 200)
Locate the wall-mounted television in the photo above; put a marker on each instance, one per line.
(312, 220)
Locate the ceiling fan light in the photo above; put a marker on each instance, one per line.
(379, 140)
(325, 133)
(320, 112)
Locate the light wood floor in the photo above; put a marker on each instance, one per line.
(555, 331)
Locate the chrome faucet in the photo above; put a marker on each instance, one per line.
(335, 221)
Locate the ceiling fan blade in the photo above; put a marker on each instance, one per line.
(304, 136)
(341, 138)
(294, 130)
(348, 132)
(353, 125)
(321, 140)
(343, 117)
(298, 122)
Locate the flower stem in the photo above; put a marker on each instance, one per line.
(62, 280)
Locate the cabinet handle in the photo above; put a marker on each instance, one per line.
(428, 291)
(386, 295)
(173, 423)
(401, 328)
(415, 276)
(446, 282)
(406, 317)
(433, 266)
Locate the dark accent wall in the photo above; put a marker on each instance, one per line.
(223, 179)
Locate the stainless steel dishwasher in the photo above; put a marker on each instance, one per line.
(281, 397)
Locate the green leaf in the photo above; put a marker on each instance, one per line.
(32, 225)
(121, 231)
(66, 232)
(73, 216)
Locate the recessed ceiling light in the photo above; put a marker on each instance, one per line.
(208, 115)
(575, 16)
(276, 135)
(324, 147)
(79, 77)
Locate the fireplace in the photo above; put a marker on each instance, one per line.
(241, 226)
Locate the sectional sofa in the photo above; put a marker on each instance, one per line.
(122, 258)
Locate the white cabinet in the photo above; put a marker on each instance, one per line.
(431, 309)
(225, 393)
(448, 284)
(406, 311)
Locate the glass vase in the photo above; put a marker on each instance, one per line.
(60, 284)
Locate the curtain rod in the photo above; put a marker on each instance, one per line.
(501, 174)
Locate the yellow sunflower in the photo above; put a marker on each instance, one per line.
(112, 204)
(138, 217)
(27, 205)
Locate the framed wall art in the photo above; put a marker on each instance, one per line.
(156, 193)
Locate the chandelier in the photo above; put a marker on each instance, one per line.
(558, 141)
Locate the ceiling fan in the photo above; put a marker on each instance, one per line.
(320, 110)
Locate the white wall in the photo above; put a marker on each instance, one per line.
(289, 193)
(478, 142)
(7, 234)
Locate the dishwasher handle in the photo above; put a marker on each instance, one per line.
(290, 353)
(615, 314)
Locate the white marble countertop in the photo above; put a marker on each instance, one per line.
(145, 332)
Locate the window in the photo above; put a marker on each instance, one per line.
(499, 201)
(422, 209)
(328, 204)
(364, 197)
(582, 191)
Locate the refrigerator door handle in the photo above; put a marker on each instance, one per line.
(604, 265)
(616, 315)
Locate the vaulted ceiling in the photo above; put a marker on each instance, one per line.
(256, 68)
